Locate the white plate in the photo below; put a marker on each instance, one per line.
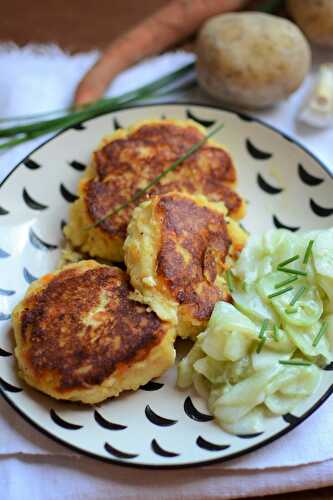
(159, 425)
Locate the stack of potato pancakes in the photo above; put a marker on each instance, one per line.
(91, 330)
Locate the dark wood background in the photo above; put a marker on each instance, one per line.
(80, 25)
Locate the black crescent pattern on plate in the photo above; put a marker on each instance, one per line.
(319, 210)
(4, 317)
(195, 414)
(7, 292)
(249, 436)
(29, 278)
(77, 165)
(268, 188)
(329, 368)
(63, 223)
(291, 419)
(279, 225)
(245, 118)
(208, 445)
(256, 153)
(4, 353)
(116, 124)
(161, 451)
(201, 121)
(38, 243)
(6, 386)
(63, 423)
(3, 254)
(67, 195)
(119, 454)
(78, 126)
(31, 203)
(103, 422)
(156, 419)
(152, 386)
(31, 164)
(307, 178)
(3, 211)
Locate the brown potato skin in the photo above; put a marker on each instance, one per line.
(315, 18)
(251, 59)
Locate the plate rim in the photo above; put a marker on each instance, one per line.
(187, 465)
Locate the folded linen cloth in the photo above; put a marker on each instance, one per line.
(35, 79)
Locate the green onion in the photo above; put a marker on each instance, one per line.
(297, 295)
(319, 335)
(308, 252)
(261, 344)
(280, 292)
(263, 328)
(288, 261)
(292, 271)
(229, 281)
(286, 282)
(294, 362)
(156, 179)
(276, 333)
(291, 310)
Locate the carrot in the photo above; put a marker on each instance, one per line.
(169, 25)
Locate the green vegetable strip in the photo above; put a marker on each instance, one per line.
(288, 261)
(286, 282)
(297, 295)
(290, 362)
(280, 292)
(292, 271)
(291, 310)
(322, 331)
(261, 344)
(276, 333)
(229, 281)
(156, 179)
(308, 252)
(263, 328)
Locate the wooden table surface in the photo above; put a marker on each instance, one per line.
(80, 25)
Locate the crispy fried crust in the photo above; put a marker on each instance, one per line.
(77, 329)
(177, 250)
(128, 160)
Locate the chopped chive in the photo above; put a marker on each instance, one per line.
(319, 335)
(292, 271)
(288, 261)
(261, 344)
(286, 282)
(294, 362)
(291, 310)
(276, 333)
(308, 252)
(263, 328)
(297, 295)
(230, 282)
(280, 292)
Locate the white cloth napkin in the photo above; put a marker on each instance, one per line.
(36, 79)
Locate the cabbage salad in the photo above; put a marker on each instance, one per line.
(263, 354)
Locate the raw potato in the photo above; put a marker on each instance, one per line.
(315, 18)
(251, 59)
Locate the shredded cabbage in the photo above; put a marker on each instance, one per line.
(247, 380)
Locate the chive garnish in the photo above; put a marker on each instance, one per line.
(286, 282)
(263, 328)
(156, 179)
(280, 292)
(294, 362)
(230, 282)
(291, 310)
(308, 252)
(261, 344)
(292, 271)
(276, 333)
(319, 335)
(288, 261)
(297, 295)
